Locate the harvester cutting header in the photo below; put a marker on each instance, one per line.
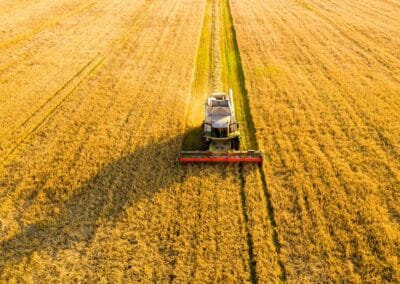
(220, 137)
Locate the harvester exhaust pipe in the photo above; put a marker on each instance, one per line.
(230, 92)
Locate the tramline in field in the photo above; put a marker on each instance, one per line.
(220, 139)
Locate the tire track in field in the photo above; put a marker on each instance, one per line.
(63, 87)
(234, 78)
(69, 87)
(46, 25)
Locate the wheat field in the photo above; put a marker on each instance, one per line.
(323, 80)
(97, 98)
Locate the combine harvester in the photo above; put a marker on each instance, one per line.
(220, 139)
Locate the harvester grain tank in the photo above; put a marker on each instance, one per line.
(220, 137)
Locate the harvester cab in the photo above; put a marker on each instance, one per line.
(220, 129)
(220, 139)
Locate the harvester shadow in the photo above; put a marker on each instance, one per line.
(100, 199)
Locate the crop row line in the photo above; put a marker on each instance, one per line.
(249, 237)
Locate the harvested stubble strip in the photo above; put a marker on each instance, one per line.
(217, 67)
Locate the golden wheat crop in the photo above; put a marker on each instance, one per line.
(97, 97)
(92, 121)
(323, 80)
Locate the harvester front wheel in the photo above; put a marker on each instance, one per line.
(204, 144)
(236, 144)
